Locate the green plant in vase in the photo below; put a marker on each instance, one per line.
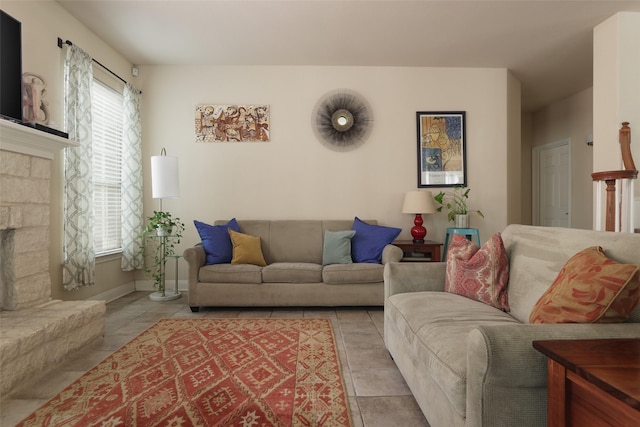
(160, 237)
(162, 223)
(456, 204)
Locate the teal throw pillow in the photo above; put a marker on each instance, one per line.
(337, 247)
(216, 241)
(370, 240)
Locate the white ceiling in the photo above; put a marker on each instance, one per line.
(546, 43)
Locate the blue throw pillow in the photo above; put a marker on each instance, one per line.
(370, 240)
(216, 241)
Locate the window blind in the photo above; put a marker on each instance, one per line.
(107, 166)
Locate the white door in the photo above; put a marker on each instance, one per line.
(553, 184)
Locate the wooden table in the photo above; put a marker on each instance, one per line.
(429, 251)
(592, 382)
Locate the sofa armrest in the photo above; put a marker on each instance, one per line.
(503, 368)
(400, 277)
(195, 257)
(391, 253)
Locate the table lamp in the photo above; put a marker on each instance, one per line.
(418, 203)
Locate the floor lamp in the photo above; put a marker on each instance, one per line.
(165, 185)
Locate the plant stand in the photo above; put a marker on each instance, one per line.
(166, 295)
(469, 233)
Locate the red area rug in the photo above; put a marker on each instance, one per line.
(211, 372)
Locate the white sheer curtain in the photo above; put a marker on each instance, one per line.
(79, 257)
(132, 220)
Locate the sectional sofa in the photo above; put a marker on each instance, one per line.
(470, 364)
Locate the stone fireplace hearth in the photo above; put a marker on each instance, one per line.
(35, 331)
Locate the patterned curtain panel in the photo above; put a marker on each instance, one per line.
(132, 220)
(79, 258)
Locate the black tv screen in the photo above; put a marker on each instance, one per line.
(10, 67)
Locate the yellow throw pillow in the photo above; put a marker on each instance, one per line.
(590, 288)
(246, 249)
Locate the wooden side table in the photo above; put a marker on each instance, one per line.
(592, 382)
(429, 251)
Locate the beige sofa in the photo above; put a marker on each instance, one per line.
(469, 364)
(294, 275)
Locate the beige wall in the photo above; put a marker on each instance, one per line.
(526, 125)
(571, 118)
(616, 67)
(294, 175)
(515, 173)
(42, 24)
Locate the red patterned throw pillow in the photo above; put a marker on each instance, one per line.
(590, 288)
(481, 274)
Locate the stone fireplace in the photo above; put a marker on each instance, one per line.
(35, 331)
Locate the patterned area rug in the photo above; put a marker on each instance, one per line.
(211, 372)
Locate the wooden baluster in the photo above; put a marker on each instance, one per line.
(625, 146)
(610, 177)
(610, 224)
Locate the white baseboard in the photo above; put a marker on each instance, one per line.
(147, 285)
(115, 293)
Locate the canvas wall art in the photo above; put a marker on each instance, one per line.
(441, 149)
(232, 123)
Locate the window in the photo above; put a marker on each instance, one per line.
(107, 166)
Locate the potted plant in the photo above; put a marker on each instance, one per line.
(161, 235)
(456, 204)
(162, 223)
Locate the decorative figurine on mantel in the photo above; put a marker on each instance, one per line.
(34, 108)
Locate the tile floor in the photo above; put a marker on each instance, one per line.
(377, 393)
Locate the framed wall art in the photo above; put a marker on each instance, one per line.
(441, 149)
(232, 123)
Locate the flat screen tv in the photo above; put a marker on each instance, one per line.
(10, 67)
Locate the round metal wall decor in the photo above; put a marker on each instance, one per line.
(342, 120)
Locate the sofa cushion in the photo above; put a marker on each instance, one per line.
(537, 254)
(590, 288)
(216, 241)
(481, 274)
(246, 249)
(229, 273)
(295, 241)
(292, 272)
(337, 274)
(437, 325)
(370, 240)
(337, 247)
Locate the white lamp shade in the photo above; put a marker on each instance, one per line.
(164, 177)
(418, 202)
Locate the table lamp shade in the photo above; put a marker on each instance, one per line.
(418, 202)
(164, 177)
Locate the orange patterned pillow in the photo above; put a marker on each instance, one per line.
(590, 288)
(481, 274)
